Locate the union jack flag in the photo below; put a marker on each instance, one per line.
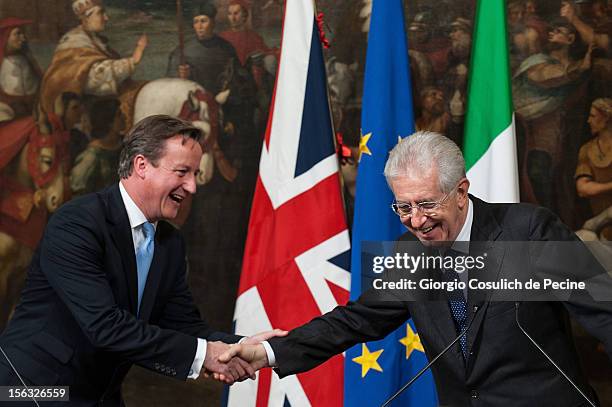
(298, 248)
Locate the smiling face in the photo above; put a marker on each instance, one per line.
(168, 183)
(445, 223)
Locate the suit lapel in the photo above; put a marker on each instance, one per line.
(440, 316)
(485, 231)
(121, 234)
(158, 264)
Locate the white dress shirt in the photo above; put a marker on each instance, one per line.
(464, 237)
(466, 230)
(137, 218)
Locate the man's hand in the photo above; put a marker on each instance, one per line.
(263, 336)
(254, 354)
(228, 370)
(140, 47)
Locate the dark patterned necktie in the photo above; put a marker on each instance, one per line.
(457, 302)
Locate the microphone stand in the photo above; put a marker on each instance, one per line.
(18, 375)
(427, 366)
(516, 307)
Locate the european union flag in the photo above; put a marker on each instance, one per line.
(376, 370)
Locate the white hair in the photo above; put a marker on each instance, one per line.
(417, 155)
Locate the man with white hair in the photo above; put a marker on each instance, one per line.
(493, 364)
(83, 62)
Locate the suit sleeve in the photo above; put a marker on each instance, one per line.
(72, 259)
(369, 318)
(181, 314)
(576, 262)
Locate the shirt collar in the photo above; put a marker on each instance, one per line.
(466, 231)
(134, 213)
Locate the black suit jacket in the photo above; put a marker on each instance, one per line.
(75, 324)
(503, 368)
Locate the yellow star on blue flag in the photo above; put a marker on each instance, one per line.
(368, 360)
(363, 144)
(411, 341)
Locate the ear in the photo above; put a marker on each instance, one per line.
(141, 165)
(462, 191)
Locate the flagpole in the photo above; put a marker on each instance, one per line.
(331, 115)
(329, 101)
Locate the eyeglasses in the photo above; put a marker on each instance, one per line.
(426, 208)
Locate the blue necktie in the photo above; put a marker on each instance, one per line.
(457, 304)
(144, 256)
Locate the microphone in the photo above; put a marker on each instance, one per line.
(18, 375)
(516, 307)
(427, 366)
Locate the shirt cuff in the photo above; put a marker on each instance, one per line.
(269, 353)
(198, 362)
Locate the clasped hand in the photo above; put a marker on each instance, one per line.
(237, 362)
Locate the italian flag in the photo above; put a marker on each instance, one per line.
(489, 138)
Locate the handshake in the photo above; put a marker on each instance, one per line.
(237, 362)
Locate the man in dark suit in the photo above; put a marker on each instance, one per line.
(495, 365)
(107, 285)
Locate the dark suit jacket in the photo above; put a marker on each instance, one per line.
(75, 324)
(503, 368)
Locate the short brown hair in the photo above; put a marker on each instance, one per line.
(148, 137)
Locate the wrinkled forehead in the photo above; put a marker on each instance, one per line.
(416, 187)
